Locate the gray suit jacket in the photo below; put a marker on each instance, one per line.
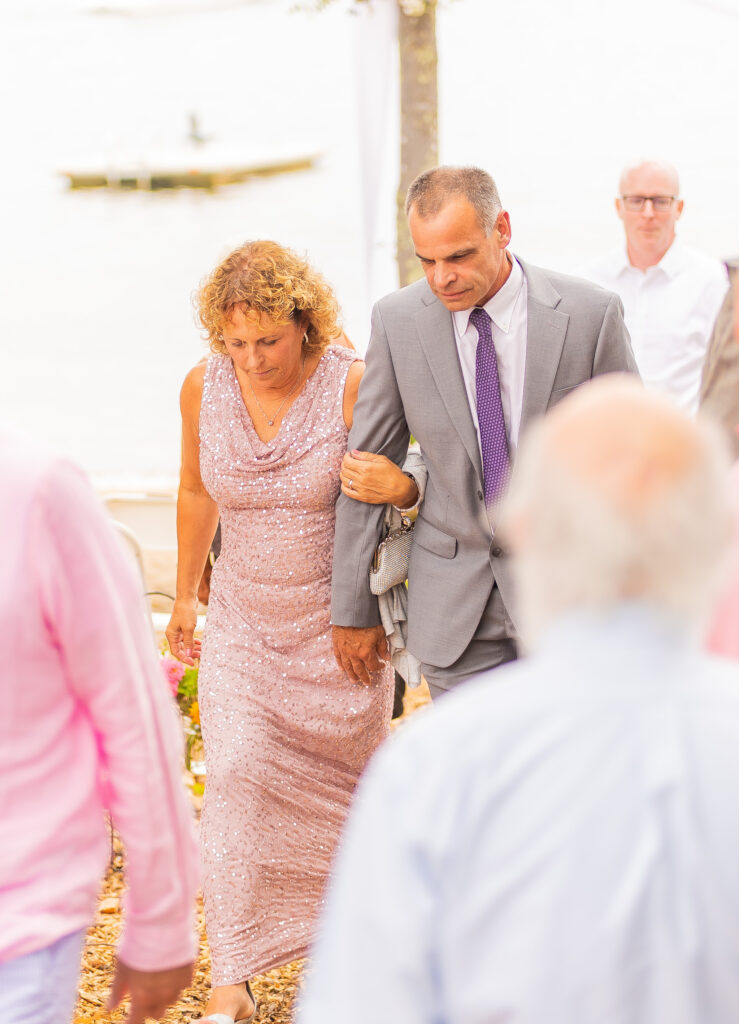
(720, 381)
(413, 384)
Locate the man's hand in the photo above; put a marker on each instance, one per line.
(151, 992)
(360, 651)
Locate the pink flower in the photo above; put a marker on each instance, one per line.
(173, 670)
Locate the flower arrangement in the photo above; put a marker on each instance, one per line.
(183, 682)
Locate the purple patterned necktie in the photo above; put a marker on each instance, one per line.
(495, 461)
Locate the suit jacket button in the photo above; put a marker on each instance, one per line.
(479, 495)
(497, 552)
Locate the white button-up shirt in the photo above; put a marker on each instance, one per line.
(556, 843)
(669, 311)
(507, 311)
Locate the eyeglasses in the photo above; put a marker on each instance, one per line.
(659, 203)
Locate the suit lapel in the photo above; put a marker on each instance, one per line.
(436, 333)
(545, 335)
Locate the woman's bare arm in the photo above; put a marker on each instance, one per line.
(197, 518)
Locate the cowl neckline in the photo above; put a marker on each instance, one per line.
(268, 452)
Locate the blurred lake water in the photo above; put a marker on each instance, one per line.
(97, 320)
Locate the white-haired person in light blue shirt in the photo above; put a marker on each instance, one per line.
(557, 842)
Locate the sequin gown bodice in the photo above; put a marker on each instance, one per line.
(286, 732)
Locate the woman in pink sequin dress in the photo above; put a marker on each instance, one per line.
(286, 732)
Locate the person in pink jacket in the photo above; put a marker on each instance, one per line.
(723, 636)
(721, 377)
(86, 726)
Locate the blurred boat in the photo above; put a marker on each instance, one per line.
(194, 166)
(197, 163)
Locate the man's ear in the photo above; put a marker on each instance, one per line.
(502, 228)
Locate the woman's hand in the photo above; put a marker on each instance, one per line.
(376, 480)
(181, 629)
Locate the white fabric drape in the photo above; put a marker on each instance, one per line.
(376, 37)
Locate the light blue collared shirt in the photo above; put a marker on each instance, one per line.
(555, 843)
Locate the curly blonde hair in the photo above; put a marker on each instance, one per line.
(264, 278)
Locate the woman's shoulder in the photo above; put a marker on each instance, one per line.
(206, 370)
(344, 369)
(199, 378)
(196, 374)
(194, 377)
(191, 393)
(342, 366)
(342, 353)
(194, 380)
(351, 390)
(343, 360)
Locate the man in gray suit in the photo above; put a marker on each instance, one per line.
(719, 396)
(430, 373)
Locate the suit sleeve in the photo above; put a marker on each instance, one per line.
(613, 353)
(380, 427)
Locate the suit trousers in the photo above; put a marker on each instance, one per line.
(492, 644)
(41, 987)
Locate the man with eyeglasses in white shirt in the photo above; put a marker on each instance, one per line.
(671, 293)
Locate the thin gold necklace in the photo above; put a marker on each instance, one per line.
(271, 422)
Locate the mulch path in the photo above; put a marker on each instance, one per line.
(275, 991)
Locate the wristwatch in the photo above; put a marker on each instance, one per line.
(408, 515)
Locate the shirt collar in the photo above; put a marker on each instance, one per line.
(628, 623)
(500, 307)
(671, 263)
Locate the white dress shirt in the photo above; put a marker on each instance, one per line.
(507, 310)
(554, 843)
(669, 310)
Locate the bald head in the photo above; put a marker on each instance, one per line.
(617, 496)
(638, 168)
(630, 449)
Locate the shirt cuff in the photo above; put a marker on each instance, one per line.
(411, 513)
(159, 947)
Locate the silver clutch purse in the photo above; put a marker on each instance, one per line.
(390, 564)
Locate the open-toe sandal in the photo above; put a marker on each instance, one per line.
(223, 1018)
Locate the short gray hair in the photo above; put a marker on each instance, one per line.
(579, 549)
(433, 189)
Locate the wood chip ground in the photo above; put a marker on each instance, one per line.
(275, 991)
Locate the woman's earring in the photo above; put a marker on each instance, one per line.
(305, 338)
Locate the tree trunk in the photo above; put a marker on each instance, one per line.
(419, 146)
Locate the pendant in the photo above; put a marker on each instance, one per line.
(270, 423)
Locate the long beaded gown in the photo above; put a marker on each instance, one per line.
(286, 732)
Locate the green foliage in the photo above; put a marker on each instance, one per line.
(187, 691)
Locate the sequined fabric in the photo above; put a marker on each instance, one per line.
(286, 733)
